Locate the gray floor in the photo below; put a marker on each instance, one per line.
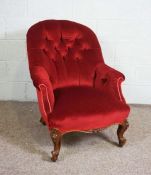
(25, 145)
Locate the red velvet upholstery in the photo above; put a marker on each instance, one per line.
(76, 89)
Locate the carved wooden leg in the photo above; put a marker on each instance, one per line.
(56, 138)
(120, 132)
(42, 121)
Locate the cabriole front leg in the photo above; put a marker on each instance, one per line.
(56, 138)
(120, 132)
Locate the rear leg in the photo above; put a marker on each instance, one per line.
(42, 121)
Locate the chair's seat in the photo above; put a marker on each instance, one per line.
(85, 108)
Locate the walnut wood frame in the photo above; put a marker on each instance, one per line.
(56, 137)
(120, 132)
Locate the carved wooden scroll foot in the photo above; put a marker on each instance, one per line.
(120, 132)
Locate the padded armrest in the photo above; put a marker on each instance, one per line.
(44, 89)
(109, 78)
(39, 76)
(105, 71)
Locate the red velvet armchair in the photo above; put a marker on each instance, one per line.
(76, 90)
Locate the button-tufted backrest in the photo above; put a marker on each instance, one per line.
(68, 50)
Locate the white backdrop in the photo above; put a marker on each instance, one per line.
(123, 28)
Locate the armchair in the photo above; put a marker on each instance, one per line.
(77, 91)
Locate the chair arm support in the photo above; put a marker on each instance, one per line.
(44, 89)
(107, 77)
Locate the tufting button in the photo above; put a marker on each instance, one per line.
(104, 80)
(77, 58)
(45, 51)
(64, 58)
(55, 48)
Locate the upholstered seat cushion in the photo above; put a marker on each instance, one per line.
(84, 108)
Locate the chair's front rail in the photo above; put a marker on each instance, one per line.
(56, 136)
